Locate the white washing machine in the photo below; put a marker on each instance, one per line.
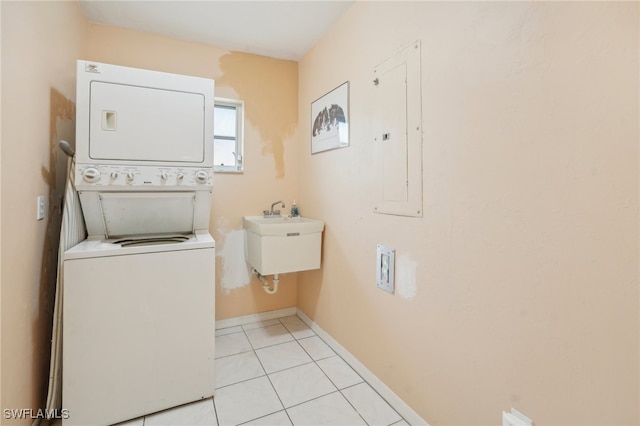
(139, 326)
(139, 293)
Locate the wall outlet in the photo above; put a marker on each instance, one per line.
(385, 269)
(40, 207)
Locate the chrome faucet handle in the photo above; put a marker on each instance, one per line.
(266, 212)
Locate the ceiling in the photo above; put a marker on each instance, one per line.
(279, 29)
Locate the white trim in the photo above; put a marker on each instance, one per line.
(238, 105)
(394, 400)
(262, 316)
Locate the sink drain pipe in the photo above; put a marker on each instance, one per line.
(268, 288)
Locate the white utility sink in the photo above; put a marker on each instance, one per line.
(277, 245)
(281, 225)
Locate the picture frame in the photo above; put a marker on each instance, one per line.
(330, 120)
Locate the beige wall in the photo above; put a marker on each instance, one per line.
(526, 259)
(40, 44)
(269, 88)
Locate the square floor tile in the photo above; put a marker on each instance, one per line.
(339, 372)
(231, 344)
(267, 336)
(402, 422)
(300, 384)
(276, 419)
(297, 327)
(329, 410)
(316, 348)
(197, 413)
(237, 368)
(285, 355)
(246, 401)
(370, 405)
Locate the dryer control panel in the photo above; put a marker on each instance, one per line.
(104, 177)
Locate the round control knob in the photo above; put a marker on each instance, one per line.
(91, 174)
(114, 175)
(179, 177)
(163, 176)
(130, 176)
(202, 176)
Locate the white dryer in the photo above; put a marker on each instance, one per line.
(139, 293)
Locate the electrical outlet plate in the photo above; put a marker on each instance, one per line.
(515, 418)
(385, 268)
(40, 207)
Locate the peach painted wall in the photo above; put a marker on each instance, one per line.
(269, 88)
(40, 44)
(526, 260)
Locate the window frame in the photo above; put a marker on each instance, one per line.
(239, 153)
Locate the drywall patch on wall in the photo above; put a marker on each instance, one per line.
(235, 270)
(266, 86)
(406, 277)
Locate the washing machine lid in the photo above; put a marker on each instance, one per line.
(94, 247)
(135, 213)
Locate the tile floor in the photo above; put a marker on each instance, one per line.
(279, 372)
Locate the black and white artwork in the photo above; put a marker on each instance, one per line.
(330, 120)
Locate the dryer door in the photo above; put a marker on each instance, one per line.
(134, 123)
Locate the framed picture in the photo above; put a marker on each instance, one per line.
(330, 120)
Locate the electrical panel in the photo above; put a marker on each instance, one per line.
(397, 138)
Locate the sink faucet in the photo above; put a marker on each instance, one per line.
(274, 212)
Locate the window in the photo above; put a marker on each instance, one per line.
(227, 135)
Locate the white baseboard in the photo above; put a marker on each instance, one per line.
(394, 400)
(262, 316)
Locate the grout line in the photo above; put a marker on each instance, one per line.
(242, 381)
(234, 354)
(290, 368)
(312, 399)
(398, 405)
(270, 382)
(215, 410)
(315, 361)
(356, 384)
(253, 318)
(340, 391)
(266, 415)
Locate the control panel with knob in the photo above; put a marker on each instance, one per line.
(202, 176)
(91, 175)
(142, 178)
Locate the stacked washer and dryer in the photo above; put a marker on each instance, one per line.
(139, 292)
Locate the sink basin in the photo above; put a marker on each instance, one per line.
(277, 245)
(281, 225)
